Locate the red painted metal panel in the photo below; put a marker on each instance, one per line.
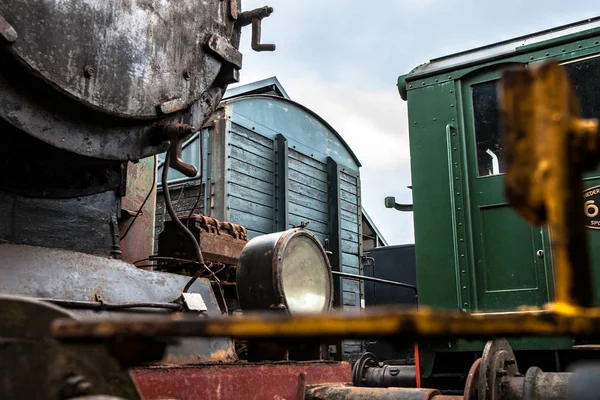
(273, 381)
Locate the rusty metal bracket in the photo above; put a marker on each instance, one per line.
(223, 49)
(7, 32)
(255, 18)
(176, 133)
(548, 148)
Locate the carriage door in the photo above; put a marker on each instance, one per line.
(509, 255)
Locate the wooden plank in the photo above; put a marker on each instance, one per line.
(308, 169)
(348, 178)
(251, 182)
(349, 235)
(308, 160)
(349, 226)
(350, 260)
(348, 187)
(250, 221)
(251, 158)
(251, 146)
(350, 270)
(307, 180)
(307, 191)
(351, 198)
(318, 205)
(314, 215)
(351, 285)
(349, 216)
(251, 135)
(295, 220)
(250, 194)
(252, 234)
(350, 299)
(352, 208)
(251, 170)
(349, 247)
(244, 205)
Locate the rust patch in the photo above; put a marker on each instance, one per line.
(227, 382)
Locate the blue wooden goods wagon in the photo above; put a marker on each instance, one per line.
(269, 163)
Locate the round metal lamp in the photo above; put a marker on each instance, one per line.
(286, 271)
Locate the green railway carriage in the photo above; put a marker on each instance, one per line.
(473, 252)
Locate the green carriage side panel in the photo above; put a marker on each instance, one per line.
(433, 220)
(473, 252)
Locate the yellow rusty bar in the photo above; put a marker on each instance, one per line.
(548, 148)
(397, 322)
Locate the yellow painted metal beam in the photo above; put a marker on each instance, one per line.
(397, 322)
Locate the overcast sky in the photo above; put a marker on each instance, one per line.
(341, 58)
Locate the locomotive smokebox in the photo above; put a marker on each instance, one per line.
(98, 77)
(85, 86)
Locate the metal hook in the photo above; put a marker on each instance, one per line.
(255, 17)
(176, 133)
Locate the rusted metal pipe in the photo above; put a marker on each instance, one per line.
(100, 305)
(346, 392)
(367, 373)
(391, 376)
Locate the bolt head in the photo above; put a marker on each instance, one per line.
(187, 75)
(89, 72)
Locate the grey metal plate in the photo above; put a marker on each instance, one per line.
(142, 53)
(61, 274)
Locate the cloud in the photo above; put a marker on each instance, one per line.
(341, 58)
(373, 123)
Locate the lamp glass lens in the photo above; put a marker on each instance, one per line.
(305, 276)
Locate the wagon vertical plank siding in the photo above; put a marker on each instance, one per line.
(265, 166)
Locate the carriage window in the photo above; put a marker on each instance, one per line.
(490, 154)
(585, 78)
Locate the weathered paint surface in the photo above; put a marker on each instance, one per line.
(139, 242)
(233, 382)
(135, 52)
(463, 224)
(61, 274)
(251, 183)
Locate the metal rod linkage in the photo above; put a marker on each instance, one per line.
(378, 280)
